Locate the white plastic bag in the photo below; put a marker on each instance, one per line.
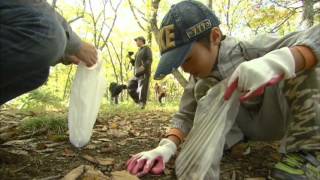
(201, 154)
(87, 91)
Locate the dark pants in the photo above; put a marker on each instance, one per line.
(138, 88)
(31, 39)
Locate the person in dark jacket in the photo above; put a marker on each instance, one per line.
(138, 87)
(33, 37)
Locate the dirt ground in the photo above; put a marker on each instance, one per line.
(41, 155)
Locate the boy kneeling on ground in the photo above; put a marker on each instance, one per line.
(276, 76)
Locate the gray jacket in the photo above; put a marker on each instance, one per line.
(231, 53)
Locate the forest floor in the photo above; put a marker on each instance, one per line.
(36, 146)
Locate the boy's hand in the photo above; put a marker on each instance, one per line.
(87, 54)
(152, 161)
(251, 77)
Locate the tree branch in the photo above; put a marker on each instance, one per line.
(135, 16)
(276, 28)
(54, 3)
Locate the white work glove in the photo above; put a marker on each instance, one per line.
(152, 161)
(251, 77)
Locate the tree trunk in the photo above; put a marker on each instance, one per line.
(155, 29)
(210, 4)
(308, 13)
(180, 78)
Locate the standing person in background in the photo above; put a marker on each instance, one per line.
(138, 87)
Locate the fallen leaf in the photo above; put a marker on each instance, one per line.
(98, 160)
(48, 150)
(17, 142)
(75, 173)
(93, 174)
(68, 153)
(105, 140)
(117, 133)
(123, 175)
(41, 146)
(114, 125)
(51, 145)
(19, 152)
(105, 161)
(8, 128)
(240, 150)
(91, 147)
(108, 149)
(122, 143)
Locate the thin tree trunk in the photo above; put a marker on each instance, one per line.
(155, 29)
(308, 13)
(67, 82)
(210, 4)
(112, 63)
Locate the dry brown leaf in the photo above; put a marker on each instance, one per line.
(19, 152)
(105, 161)
(122, 143)
(85, 172)
(75, 173)
(117, 133)
(114, 125)
(52, 145)
(48, 150)
(8, 128)
(68, 153)
(91, 147)
(123, 175)
(98, 160)
(41, 146)
(105, 140)
(94, 174)
(18, 142)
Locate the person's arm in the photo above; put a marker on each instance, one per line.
(131, 59)
(76, 49)
(73, 40)
(263, 44)
(252, 77)
(304, 58)
(183, 119)
(147, 58)
(271, 59)
(154, 161)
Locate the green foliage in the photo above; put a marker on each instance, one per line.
(52, 123)
(128, 107)
(41, 100)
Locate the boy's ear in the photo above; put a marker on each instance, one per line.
(216, 36)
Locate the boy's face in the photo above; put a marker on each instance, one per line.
(201, 59)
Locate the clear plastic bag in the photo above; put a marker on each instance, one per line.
(201, 154)
(87, 91)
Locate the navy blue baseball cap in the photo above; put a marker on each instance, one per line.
(185, 22)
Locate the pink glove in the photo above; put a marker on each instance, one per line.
(251, 77)
(152, 161)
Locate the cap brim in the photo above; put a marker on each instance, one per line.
(171, 60)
